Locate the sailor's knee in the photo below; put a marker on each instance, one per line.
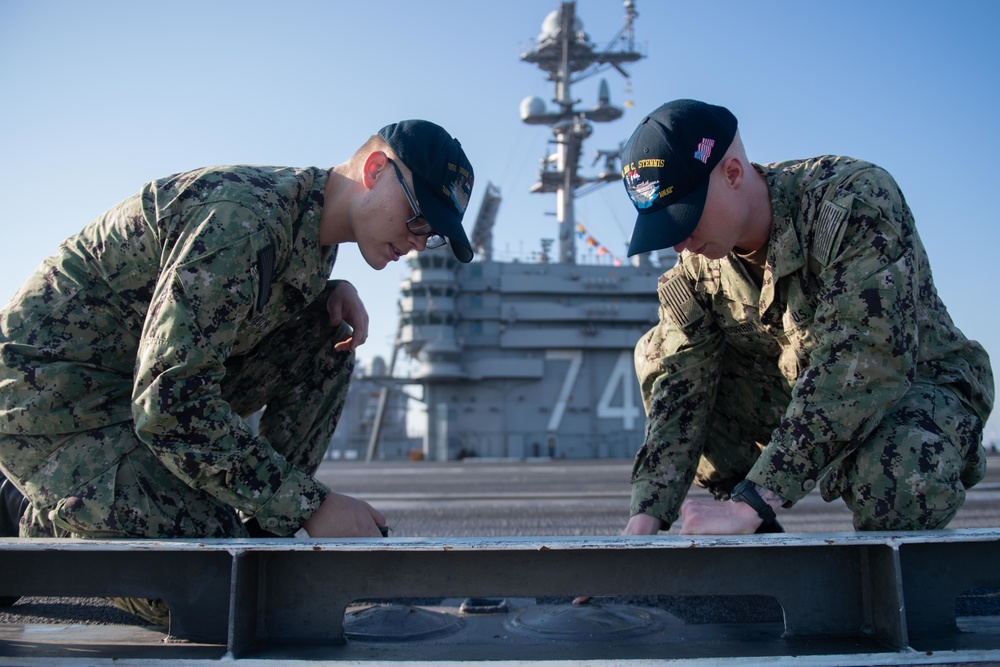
(928, 501)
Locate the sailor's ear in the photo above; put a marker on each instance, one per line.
(732, 171)
(374, 164)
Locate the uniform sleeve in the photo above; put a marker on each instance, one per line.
(866, 334)
(199, 303)
(678, 363)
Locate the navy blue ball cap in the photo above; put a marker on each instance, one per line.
(442, 177)
(666, 165)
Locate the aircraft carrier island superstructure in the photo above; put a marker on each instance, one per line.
(534, 358)
(521, 360)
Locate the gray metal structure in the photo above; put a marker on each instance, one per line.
(534, 359)
(481, 565)
(846, 598)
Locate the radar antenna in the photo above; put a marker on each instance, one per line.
(563, 50)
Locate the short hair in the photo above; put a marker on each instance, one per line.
(374, 143)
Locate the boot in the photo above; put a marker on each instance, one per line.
(154, 612)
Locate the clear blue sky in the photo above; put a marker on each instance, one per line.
(99, 97)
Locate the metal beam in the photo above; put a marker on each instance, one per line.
(898, 589)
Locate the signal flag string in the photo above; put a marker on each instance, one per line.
(581, 233)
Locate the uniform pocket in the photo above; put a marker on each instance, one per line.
(964, 428)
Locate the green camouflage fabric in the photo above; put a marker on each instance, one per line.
(130, 359)
(843, 370)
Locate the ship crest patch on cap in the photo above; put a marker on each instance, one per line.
(460, 189)
(644, 193)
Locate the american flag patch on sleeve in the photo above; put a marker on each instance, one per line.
(828, 230)
(677, 297)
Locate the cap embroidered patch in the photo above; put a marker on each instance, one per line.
(459, 192)
(642, 193)
(704, 150)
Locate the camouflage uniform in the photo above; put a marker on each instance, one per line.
(843, 370)
(129, 359)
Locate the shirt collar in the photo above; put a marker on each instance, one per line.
(309, 263)
(785, 254)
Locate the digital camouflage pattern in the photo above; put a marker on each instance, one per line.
(129, 358)
(843, 370)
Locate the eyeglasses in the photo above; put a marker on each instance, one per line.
(418, 224)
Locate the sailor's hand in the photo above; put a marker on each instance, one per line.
(643, 524)
(344, 516)
(718, 517)
(344, 305)
(638, 524)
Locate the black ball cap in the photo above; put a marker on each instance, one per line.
(666, 165)
(442, 177)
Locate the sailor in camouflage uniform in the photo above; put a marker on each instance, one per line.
(801, 342)
(130, 360)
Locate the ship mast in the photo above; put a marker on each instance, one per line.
(564, 51)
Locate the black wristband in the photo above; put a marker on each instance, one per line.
(746, 492)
